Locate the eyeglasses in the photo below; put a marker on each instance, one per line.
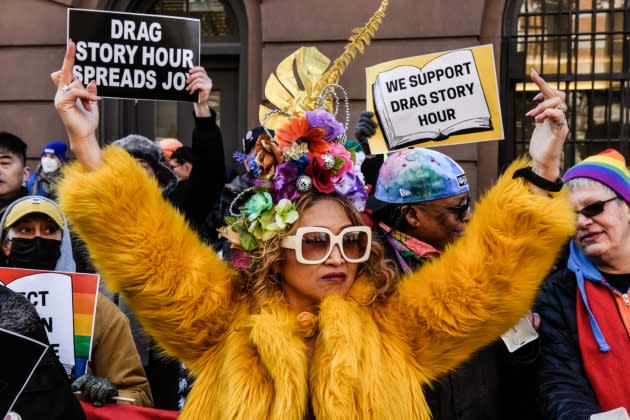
(313, 245)
(595, 208)
(459, 211)
(174, 166)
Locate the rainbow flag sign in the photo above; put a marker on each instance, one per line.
(66, 303)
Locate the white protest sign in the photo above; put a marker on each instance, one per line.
(134, 56)
(51, 295)
(441, 98)
(519, 335)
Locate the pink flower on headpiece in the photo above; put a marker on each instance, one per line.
(321, 118)
(340, 152)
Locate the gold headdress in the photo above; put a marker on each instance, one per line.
(307, 152)
(296, 95)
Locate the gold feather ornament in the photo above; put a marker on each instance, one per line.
(299, 81)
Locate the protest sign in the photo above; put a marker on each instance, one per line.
(66, 303)
(134, 56)
(15, 375)
(436, 99)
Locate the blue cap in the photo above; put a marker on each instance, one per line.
(417, 175)
(57, 148)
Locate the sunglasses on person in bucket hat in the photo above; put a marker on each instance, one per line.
(459, 211)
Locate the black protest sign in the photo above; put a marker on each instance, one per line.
(134, 56)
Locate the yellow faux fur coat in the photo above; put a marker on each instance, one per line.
(369, 360)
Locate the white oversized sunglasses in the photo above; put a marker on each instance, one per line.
(313, 245)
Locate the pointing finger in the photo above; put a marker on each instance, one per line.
(542, 85)
(68, 63)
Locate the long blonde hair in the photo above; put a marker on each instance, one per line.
(261, 282)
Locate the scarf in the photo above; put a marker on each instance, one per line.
(410, 252)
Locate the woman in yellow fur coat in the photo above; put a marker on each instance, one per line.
(312, 330)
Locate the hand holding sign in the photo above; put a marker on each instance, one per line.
(198, 81)
(134, 56)
(74, 104)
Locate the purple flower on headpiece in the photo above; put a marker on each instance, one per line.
(249, 161)
(351, 187)
(283, 184)
(321, 118)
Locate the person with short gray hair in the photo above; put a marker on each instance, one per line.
(585, 356)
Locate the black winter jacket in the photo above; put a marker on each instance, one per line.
(47, 394)
(197, 196)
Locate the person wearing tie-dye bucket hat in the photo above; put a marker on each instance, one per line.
(422, 205)
(584, 362)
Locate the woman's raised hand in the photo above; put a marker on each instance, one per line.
(551, 130)
(76, 105)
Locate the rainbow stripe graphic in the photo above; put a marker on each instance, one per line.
(84, 295)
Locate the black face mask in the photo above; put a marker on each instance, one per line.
(37, 253)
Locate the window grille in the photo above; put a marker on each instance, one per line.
(580, 47)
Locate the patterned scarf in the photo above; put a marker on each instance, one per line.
(410, 252)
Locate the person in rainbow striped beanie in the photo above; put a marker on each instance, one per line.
(585, 309)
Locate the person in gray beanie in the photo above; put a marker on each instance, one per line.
(147, 154)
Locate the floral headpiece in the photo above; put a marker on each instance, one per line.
(309, 150)
(309, 153)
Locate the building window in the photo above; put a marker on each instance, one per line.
(218, 23)
(217, 18)
(581, 47)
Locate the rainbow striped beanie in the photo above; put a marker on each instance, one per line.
(608, 167)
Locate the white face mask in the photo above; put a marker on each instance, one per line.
(49, 164)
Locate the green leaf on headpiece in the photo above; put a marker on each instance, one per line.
(248, 242)
(339, 162)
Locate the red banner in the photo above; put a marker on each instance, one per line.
(127, 412)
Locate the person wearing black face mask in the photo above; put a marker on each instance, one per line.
(34, 241)
(35, 236)
(32, 238)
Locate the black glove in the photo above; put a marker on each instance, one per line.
(365, 128)
(96, 390)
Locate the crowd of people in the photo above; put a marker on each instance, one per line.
(292, 292)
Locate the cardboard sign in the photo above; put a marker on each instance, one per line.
(134, 56)
(66, 303)
(435, 99)
(14, 376)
